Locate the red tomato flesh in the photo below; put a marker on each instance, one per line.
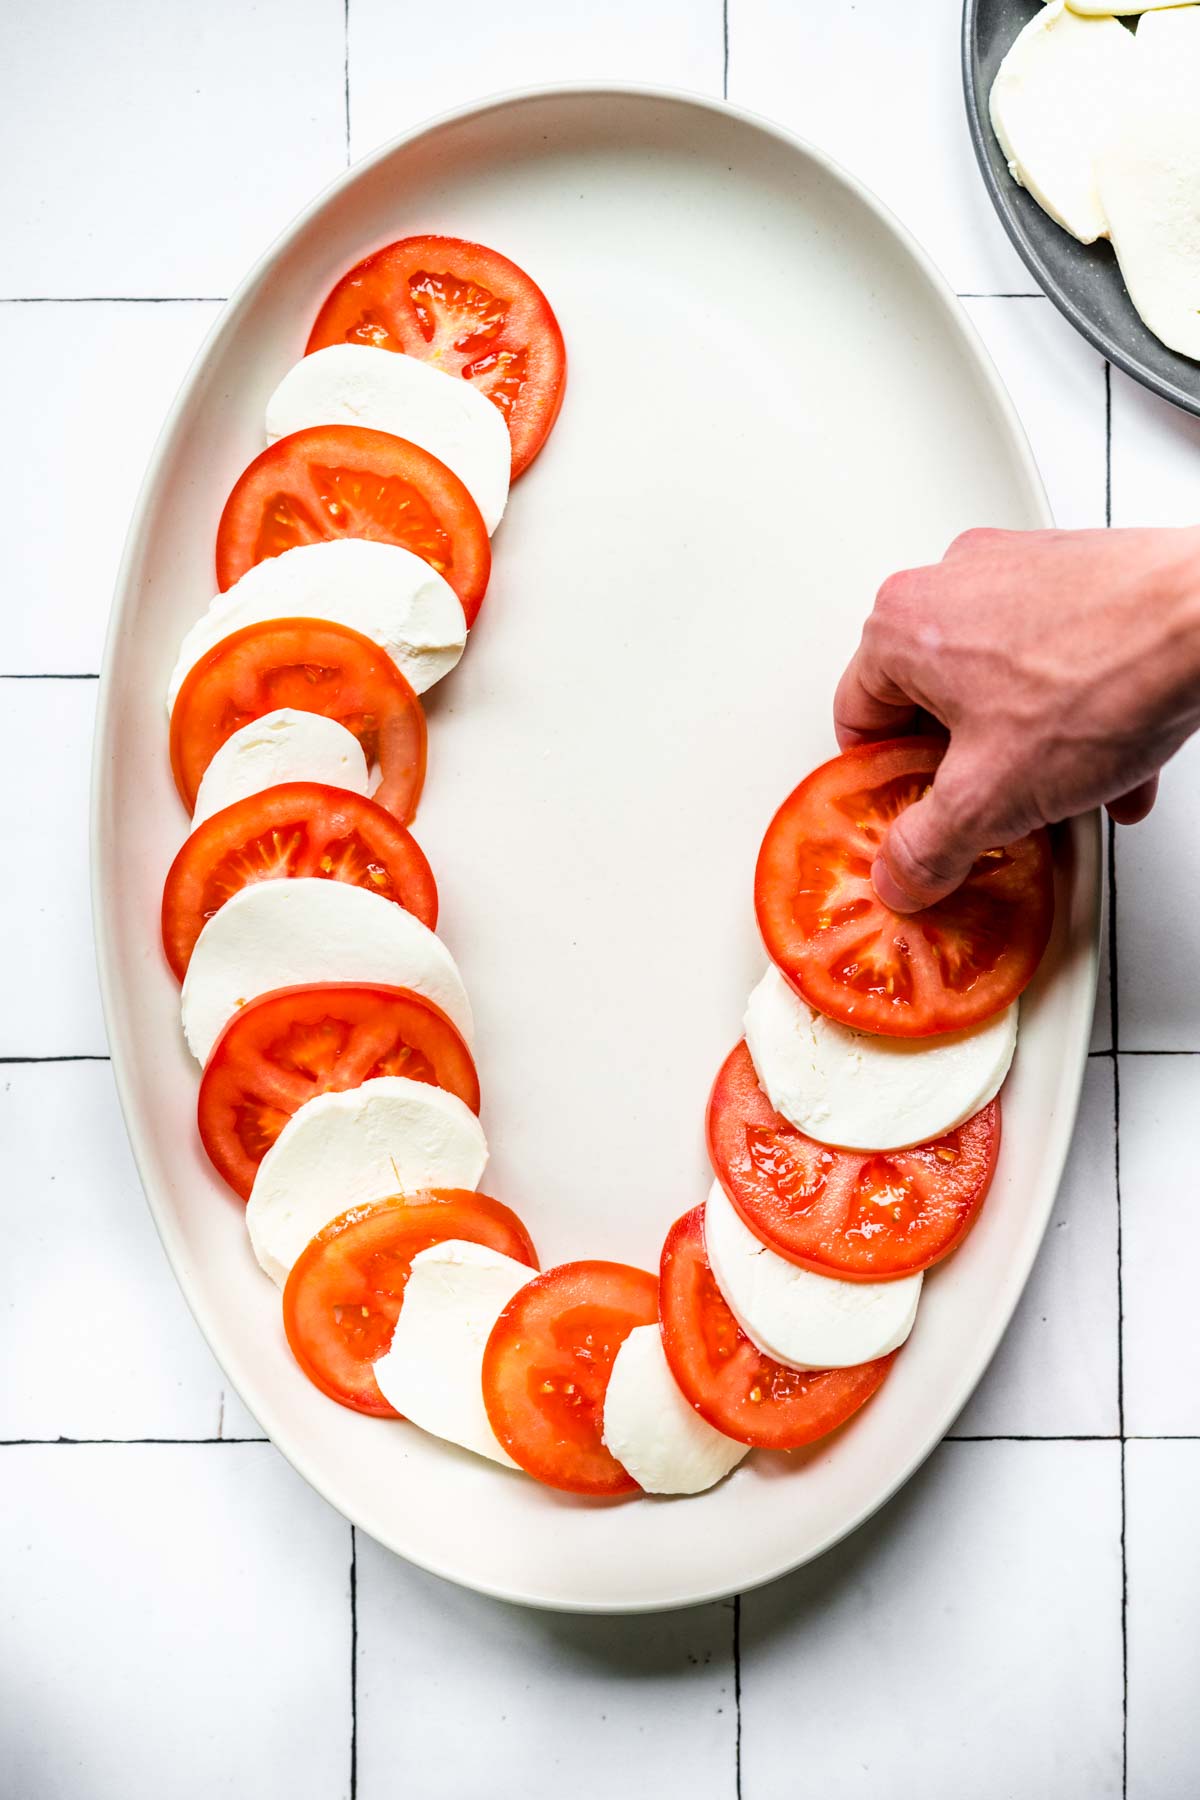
(727, 1378)
(337, 481)
(950, 966)
(862, 1215)
(546, 1370)
(298, 828)
(290, 1045)
(346, 1288)
(467, 310)
(315, 667)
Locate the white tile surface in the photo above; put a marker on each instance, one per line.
(51, 1000)
(159, 148)
(91, 385)
(399, 76)
(1055, 1374)
(1158, 871)
(85, 1279)
(1155, 459)
(878, 86)
(1160, 1100)
(1102, 1023)
(176, 1623)
(193, 1602)
(1056, 382)
(1162, 1485)
(965, 1642)
(463, 1696)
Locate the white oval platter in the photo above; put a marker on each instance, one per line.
(773, 401)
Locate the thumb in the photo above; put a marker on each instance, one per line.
(930, 848)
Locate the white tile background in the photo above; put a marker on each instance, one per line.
(180, 1614)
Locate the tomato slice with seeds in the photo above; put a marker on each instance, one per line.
(289, 1045)
(860, 1215)
(315, 667)
(345, 1290)
(297, 828)
(852, 958)
(467, 310)
(546, 1368)
(727, 1378)
(345, 481)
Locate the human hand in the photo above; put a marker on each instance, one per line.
(1065, 666)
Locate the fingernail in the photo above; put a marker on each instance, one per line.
(889, 890)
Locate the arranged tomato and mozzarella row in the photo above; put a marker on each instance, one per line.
(277, 934)
(382, 591)
(390, 1135)
(853, 1133)
(356, 384)
(281, 746)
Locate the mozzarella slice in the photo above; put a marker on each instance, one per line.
(1096, 9)
(432, 1373)
(797, 1318)
(276, 934)
(1149, 175)
(860, 1092)
(655, 1435)
(281, 746)
(1051, 103)
(381, 591)
(389, 1136)
(358, 384)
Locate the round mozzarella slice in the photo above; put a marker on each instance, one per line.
(276, 934)
(281, 746)
(797, 1318)
(357, 384)
(340, 1150)
(433, 1371)
(1148, 169)
(650, 1428)
(379, 590)
(1052, 102)
(861, 1092)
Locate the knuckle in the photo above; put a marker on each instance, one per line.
(979, 537)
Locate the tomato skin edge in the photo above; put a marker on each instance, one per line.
(685, 1232)
(835, 1270)
(368, 1399)
(619, 1483)
(956, 1013)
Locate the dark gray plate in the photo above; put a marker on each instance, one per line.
(1083, 280)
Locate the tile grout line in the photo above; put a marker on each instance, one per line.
(737, 1696)
(113, 299)
(353, 1662)
(1115, 1009)
(737, 1598)
(998, 1437)
(346, 70)
(91, 1443)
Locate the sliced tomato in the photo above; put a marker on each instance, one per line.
(315, 667)
(546, 1370)
(346, 1288)
(468, 311)
(848, 955)
(727, 1378)
(344, 481)
(290, 1045)
(297, 828)
(863, 1215)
